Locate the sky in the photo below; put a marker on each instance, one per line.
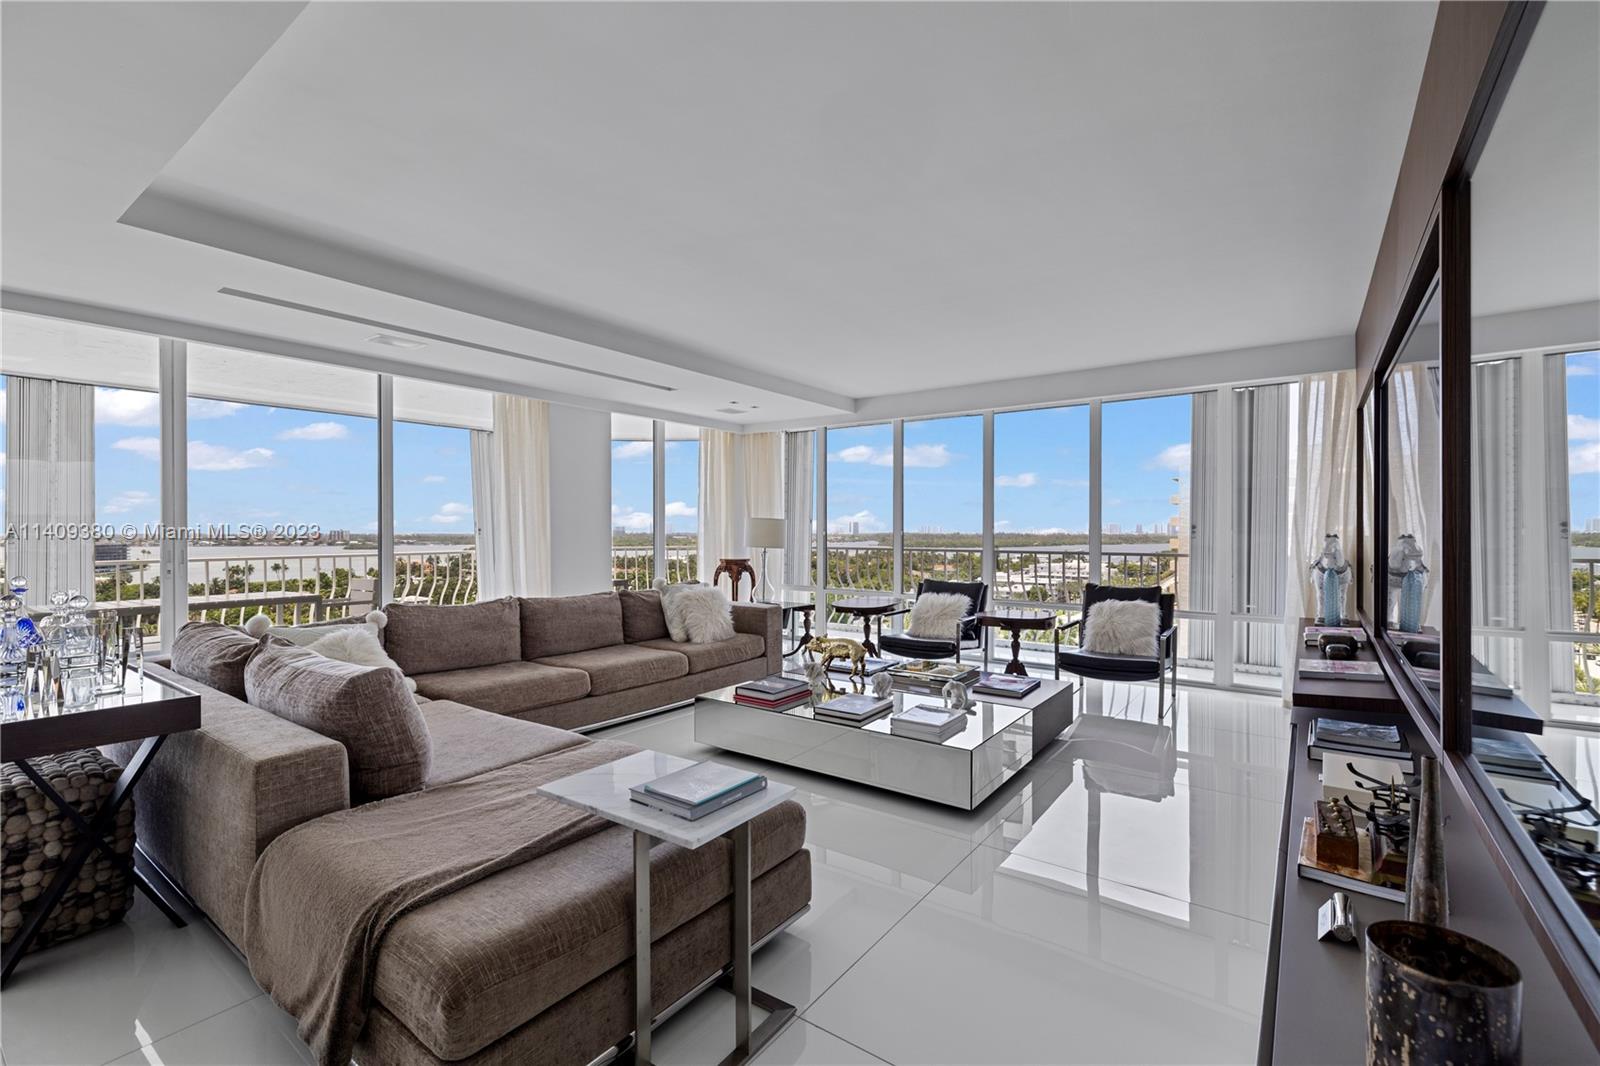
(269, 465)
(251, 464)
(1041, 469)
(631, 485)
(1583, 438)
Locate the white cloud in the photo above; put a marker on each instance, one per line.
(1581, 427)
(631, 449)
(1175, 458)
(1576, 369)
(433, 479)
(866, 522)
(132, 500)
(1584, 458)
(1002, 523)
(145, 447)
(126, 407)
(679, 509)
(316, 431)
(451, 513)
(131, 407)
(213, 408)
(923, 456)
(629, 520)
(202, 456)
(1017, 481)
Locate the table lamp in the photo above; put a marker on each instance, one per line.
(766, 534)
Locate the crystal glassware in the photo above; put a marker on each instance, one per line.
(133, 657)
(108, 653)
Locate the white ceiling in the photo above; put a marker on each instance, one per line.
(792, 206)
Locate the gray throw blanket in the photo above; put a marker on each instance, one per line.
(323, 894)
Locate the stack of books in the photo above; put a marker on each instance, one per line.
(1341, 670)
(872, 666)
(935, 724)
(1509, 755)
(1313, 633)
(772, 693)
(1342, 738)
(698, 790)
(1484, 683)
(1008, 685)
(853, 709)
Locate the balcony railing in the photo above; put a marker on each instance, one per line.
(635, 565)
(290, 589)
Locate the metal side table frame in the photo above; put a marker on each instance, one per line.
(604, 791)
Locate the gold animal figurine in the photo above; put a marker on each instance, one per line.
(831, 648)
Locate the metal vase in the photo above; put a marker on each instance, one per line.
(1427, 900)
(1435, 995)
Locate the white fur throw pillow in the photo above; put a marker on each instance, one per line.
(672, 606)
(356, 644)
(1122, 627)
(335, 640)
(936, 615)
(707, 614)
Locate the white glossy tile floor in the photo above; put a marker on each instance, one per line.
(1111, 905)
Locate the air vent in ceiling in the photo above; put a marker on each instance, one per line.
(395, 342)
(732, 411)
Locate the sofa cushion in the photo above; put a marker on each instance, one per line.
(427, 638)
(560, 625)
(468, 742)
(702, 657)
(506, 688)
(214, 655)
(465, 970)
(642, 618)
(366, 709)
(623, 666)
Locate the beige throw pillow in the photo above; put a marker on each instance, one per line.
(366, 709)
(1122, 627)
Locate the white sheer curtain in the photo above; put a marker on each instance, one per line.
(1414, 460)
(49, 482)
(1322, 494)
(1263, 463)
(723, 508)
(1496, 509)
(763, 486)
(511, 499)
(799, 489)
(1199, 639)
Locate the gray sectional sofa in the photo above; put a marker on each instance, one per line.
(573, 661)
(531, 963)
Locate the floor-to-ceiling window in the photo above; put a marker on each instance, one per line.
(283, 490)
(1041, 505)
(83, 485)
(435, 527)
(1575, 656)
(861, 507)
(942, 486)
(681, 511)
(632, 501)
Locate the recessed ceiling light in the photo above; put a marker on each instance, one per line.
(395, 342)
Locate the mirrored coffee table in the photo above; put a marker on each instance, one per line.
(1001, 738)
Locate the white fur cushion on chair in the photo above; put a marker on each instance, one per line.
(936, 615)
(1122, 627)
(696, 613)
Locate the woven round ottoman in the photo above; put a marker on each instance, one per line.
(37, 838)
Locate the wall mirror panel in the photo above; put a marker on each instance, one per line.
(1534, 440)
(1411, 541)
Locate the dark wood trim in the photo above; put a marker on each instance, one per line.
(1455, 468)
(1470, 46)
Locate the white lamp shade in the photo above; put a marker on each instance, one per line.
(766, 532)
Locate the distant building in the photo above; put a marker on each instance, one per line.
(1593, 526)
(1113, 528)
